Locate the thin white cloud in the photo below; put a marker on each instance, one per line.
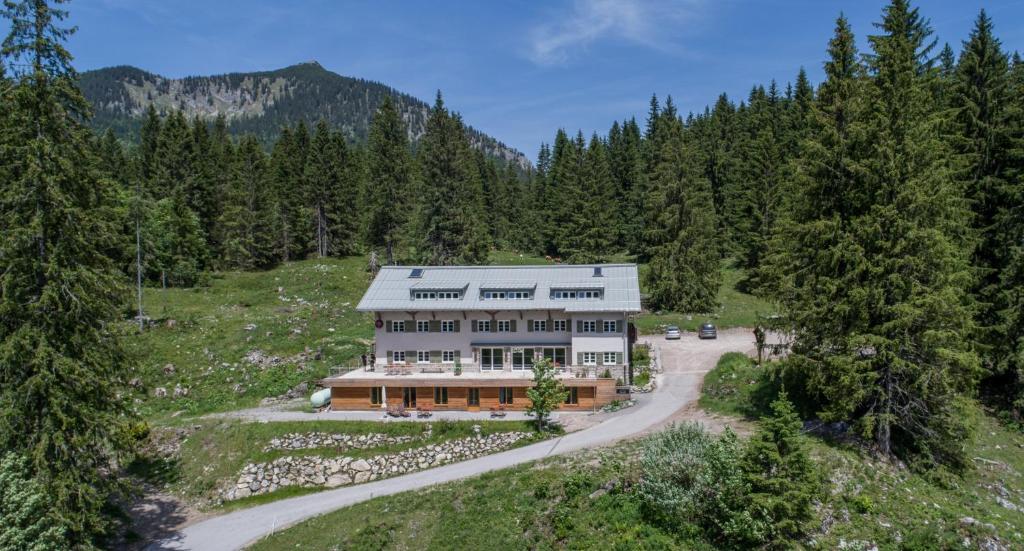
(651, 23)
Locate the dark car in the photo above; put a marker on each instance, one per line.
(707, 331)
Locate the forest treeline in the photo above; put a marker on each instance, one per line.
(882, 209)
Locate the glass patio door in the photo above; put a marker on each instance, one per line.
(522, 359)
(492, 359)
(556, 355)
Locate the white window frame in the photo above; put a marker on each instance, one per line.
(589, 326)
(422, 326)
(422, 356)
(540, 325)
(561, 325)
(447, 326)
(447, 356)
(436, 295)
(610, 326)
(398, 326)
(590, 358)
(398, 356)
(609, 358)
(504, 326)
(483, 326)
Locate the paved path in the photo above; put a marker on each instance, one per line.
(684, 362)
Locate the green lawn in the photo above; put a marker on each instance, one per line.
(302, 313)
(537, 506)
(737, 387)
(216, 451)
(736, 309)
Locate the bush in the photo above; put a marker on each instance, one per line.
(691, 479)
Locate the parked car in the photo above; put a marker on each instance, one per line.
(672, 333)
(707, 331)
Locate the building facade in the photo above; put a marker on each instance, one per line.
(467, 337)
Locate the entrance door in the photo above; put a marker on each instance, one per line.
(409, 397)
(492, 359)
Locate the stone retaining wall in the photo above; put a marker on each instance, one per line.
(311, 440)
(312, 471)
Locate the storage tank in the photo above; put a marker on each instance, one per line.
(320, 398)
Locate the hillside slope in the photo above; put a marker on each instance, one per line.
(260, 102)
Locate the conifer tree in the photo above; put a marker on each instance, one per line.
(287, 186)
(982, 136)
(625, 152)
(452, 231)
(330, 188)
(536, 215)
(685, 270)
(221, 161)
(875, 261)
(587, 225)
(61, 294)
(759, 203)
(389, 169)
(250, 235)
(781, 475)
(203, 194)
(149, 137)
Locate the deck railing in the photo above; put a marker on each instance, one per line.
(616, 371)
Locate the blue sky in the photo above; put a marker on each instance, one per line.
(517, 70)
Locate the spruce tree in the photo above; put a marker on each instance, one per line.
(782, 478)
(625, 152)
(451, 226)
(203, 194)
(875, 261)
(62, 369)
(288, 174)
(250, 235)
(389, 170)
(330, 188)
(982, 136)
(685, 268)
(759, 203)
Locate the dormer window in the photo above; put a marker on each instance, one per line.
(436, 295)
(575, 294)
(505, 295)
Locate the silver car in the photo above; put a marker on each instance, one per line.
(672, 333)
(707, 331)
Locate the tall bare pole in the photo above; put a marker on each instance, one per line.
(138, 250)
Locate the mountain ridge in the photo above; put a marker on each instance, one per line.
(261, 102)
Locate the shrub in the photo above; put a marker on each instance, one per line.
(691, 479)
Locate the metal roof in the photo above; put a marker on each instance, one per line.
(390, 290)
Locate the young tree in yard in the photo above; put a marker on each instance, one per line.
(390, 177)
(781, 475)
(62, 369)
(26, 519)
(452, 230)
(874, 263)
(546, 394)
